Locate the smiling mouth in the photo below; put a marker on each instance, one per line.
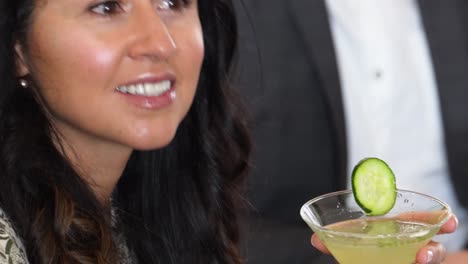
(146, 89)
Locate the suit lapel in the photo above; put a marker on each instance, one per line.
(447, 36)
(313, 26)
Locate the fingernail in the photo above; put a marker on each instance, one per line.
(456, 221)
(430, 256)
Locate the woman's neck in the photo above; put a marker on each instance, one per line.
(99, 163)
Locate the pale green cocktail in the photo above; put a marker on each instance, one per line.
(352, 250)
(354, 238)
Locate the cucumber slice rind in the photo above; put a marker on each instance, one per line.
(374, 187)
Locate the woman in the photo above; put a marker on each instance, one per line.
(121, 141)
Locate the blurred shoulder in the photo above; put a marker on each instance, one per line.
(12, 250)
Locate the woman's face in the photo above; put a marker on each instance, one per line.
(120, 72)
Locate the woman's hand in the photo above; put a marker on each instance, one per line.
(432, 253)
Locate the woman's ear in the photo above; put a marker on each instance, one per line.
(22, 68)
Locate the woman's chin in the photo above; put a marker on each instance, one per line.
(154, 142)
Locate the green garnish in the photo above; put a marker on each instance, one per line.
(374, 187)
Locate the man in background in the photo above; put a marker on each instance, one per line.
(333, 81)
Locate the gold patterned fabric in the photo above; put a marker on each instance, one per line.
(12, 250)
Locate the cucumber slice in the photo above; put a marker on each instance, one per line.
(374, 187)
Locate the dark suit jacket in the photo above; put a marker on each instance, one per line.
(289, 75)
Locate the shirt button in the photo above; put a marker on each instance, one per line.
(378, 74)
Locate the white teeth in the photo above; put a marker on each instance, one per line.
(140, 90)
(146, 89)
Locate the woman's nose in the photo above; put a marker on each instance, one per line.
(152, 37)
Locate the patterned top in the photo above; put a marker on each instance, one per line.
(12, 250)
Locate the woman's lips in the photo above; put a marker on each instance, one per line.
(146, 88)
(149, 94)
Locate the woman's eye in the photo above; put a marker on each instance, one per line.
(107, 8)
(173, 4)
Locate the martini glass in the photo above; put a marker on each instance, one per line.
(394, 238)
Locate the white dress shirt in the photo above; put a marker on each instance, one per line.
(390, 97)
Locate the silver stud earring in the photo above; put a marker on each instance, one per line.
(23, 83)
